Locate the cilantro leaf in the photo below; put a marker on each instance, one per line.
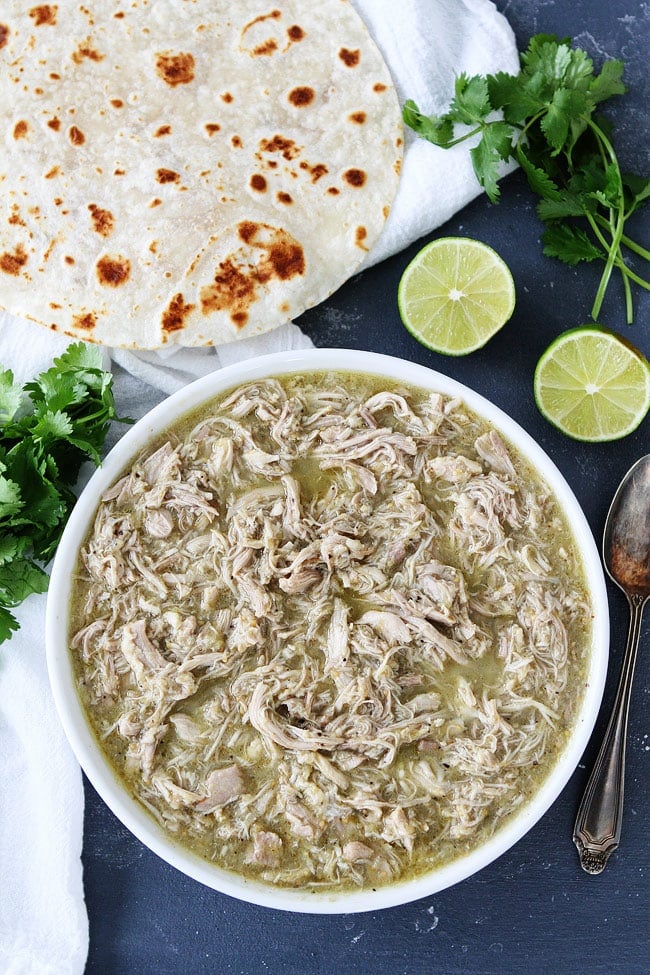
(8, 624)
(518, 101)
(436, 129)
(10, 547)
(564, 204)
(10, 498)
(51, 426)
(19, 580)
(637, 190)
(495, 146)
(546, 58)
(538, 179)
(11, 396)
(565, 107)
(609, 82)
(570, 244)
(471, 101)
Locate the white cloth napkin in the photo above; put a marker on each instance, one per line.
(43, 922)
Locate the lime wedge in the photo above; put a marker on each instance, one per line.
(455, 294)
(592, 385)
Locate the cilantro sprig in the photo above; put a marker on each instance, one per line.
(546, 119)
(48, 428)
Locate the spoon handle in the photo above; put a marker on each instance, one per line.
(597, 830)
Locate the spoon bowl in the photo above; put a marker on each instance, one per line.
(626, 539)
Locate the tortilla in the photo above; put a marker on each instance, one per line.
(189, 173)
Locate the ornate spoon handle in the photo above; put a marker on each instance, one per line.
(597, 830)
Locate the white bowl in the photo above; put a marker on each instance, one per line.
(92, 759)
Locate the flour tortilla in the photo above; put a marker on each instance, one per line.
(190, 173)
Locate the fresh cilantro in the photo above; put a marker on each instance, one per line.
(471, 101)
(545, 118)
(570, 244)
(10, 396)
(48, 428)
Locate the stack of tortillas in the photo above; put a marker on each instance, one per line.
(190, 173)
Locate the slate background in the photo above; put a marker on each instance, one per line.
(534, 909)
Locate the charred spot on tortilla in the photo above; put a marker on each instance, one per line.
(279, 143)
(273, 15)
(247, 231)
(15, 217)
(54, 124)
(46, 256)
(4, 35)
(258, 182)
(379, 87)
(113, 271)
(162, 130)
(167, 176)
(295, 33)
(236, 281)
(283, 197)
(86, 52)
(350, 58)
(357, 117)
(76, 136)
(54, 171)
(12, 263)
(227, 97)
(68, 259)
(237, 142)
(117, 103)
(212, 127)
(85, 321)
(173, 318)
(45, 14)
(267, 48)
(175, 69)
(102, 220)
(286, 256)
(316, 172)
(21, 129)
(301, 96)
(360, 235)
(233, 289)
(354, 177)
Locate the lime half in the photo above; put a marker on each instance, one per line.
(455, 294)
(592, 385)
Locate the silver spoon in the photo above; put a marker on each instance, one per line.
(626, 554)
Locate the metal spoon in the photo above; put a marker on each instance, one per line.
(626, 554)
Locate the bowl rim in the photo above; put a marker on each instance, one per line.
(81, 737)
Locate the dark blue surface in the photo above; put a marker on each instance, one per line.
(534, 910)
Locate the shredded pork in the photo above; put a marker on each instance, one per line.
(331, 632)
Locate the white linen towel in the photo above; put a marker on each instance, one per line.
(43, 922)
